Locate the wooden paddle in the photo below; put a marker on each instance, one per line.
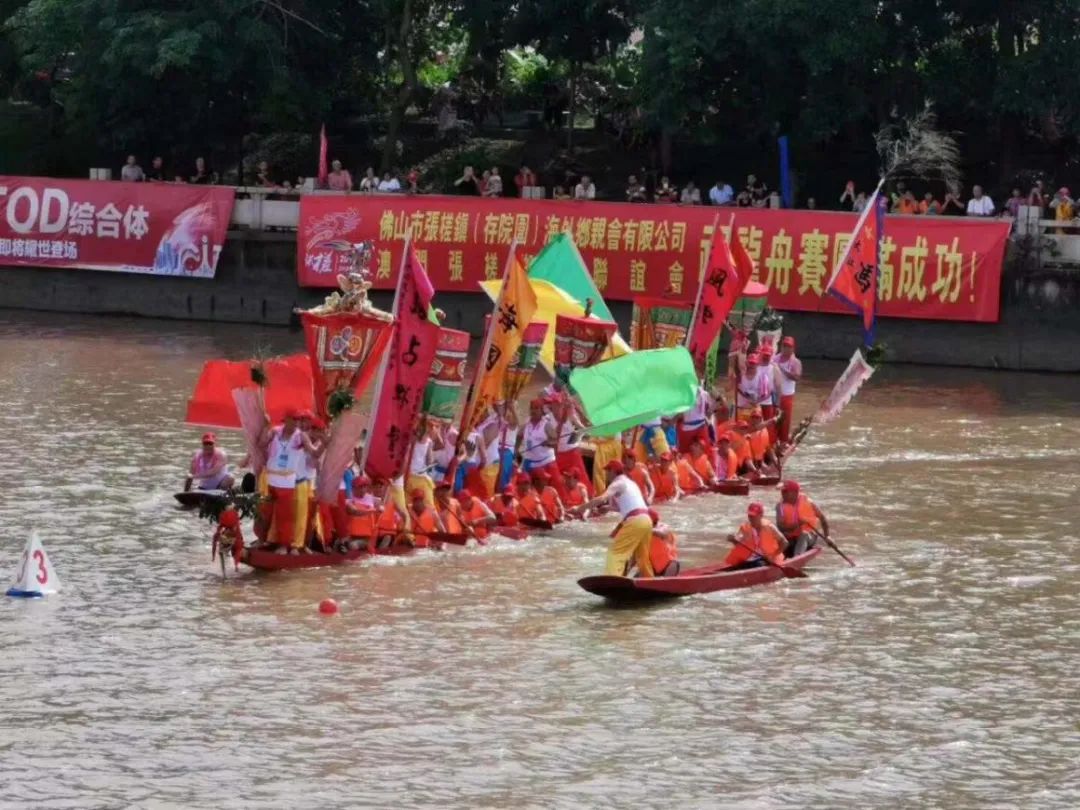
(786, 570)
(834, 547)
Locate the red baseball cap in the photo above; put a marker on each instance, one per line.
(790, 486)
(665, 457)
(788, 341)
(464, 495)
(755, 510)
(752, 359)
(209, 438)
(615, 466)
(416, 493)
(509, 491)
(443, 485)
(360, 481)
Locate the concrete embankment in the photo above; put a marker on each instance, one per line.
(1038, 330)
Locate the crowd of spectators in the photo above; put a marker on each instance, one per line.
(754, 194)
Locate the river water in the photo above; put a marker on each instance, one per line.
(942, 672)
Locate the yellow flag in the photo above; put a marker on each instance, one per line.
(514, 311)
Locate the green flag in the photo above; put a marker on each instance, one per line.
(622, 393)
(560, 265)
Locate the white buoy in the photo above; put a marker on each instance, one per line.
(35, 576)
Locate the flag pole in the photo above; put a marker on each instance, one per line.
(485, 349)
(701, 280)
(386, 355)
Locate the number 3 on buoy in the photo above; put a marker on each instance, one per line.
(38, 579)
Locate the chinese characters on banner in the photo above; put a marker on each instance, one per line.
(400, 392)
(157, 228)
(931, 267)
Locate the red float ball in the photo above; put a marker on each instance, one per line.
(328, 607)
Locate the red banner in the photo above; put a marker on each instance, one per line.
(159, 228)
(400, 392)
(945, 268)
(345, 350)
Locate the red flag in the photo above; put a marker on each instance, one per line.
(324, 172)
(408, 365)
(726, 275)
(855, 279)
(289, 386)
(345, 348)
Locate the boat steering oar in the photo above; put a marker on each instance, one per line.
(786, 570)
(834, 547)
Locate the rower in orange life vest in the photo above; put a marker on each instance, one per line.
(761, 450)
(539, 440)
(285, 449)
(757, 539)
(210, 467)
(639, 474)
(425, 521)
(727, 466)
(392, 518)
(699, 459)
(695, 422)
(576, 494)
(755, 388)
(505, 507)
(666, 480)
(549, 497)
(475, 515)
(633, 536)
(362, 511)
(528, 499)
(663, 550)
(448, 509)
(788, 372)
(798, 518)
(689, 480)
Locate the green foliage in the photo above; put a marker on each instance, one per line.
(245, 503)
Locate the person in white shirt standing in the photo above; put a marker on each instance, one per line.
(754, 390)
(694, 425)
(633, 536)
(721, 194)
(132, 171)
(789, 370)
(585, 190)
(979, 205)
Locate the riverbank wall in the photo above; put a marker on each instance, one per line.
(1038, 330)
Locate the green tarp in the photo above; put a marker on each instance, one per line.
(622, 393)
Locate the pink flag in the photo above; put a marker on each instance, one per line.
(408, 363)
(855, 279)
(324, 172)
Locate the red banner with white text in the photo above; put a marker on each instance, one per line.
(946, 268)
(159, 228)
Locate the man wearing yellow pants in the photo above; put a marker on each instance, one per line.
(651, 443)
(633, 536)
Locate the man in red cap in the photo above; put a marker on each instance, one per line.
(798, 518)
(549, 496)
(788, 373)
(754, 389)
(505, 507)
(666, 479)
(756, 541)
(528, 499)
(694, 424)
(362, 511)
(633, 535)
(568, 449)
(476, 515)
(209, 467)
(425, 520)
(663, 548)
(576, 493)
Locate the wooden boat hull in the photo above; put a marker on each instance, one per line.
(735, 486)
(197, 497)
(765, 481)
(263, 560)
(706, 579)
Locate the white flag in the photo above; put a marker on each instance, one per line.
(857, 372)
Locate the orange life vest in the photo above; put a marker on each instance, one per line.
(450, 518)
(664, 482)
(476, 512)
(687, 481)
(505, 512)
(703, 467)
(767, 543)
(796, 518)
(741, 448)
(730, 462)
(759, 443)
(424, 525)
(576, 495)
(529, 506)
(662, 551)
(390, 520)
(638, 475)
(361, 525)
(549, 499)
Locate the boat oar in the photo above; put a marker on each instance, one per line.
(786, 570)
(834, 547)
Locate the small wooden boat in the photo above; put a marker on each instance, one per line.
(706, 579)
(197, 497)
